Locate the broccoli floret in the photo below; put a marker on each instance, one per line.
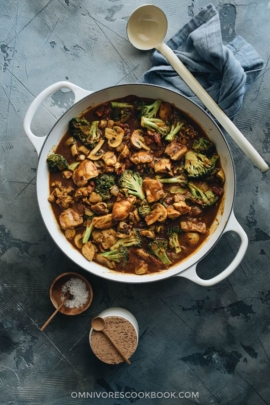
(204, 198)
(104, 184)
(73, 166)
(117, 104)
(87, 132)
(57, 162)
(198, 165)
(144, 208)
(133, 240)
(173, 240)
(88, 231)
(203, 145)
(175, 128)
(155, 124)
(121, 111)
(132, 181)
(117, 255)
(150, 111)
(159, 249)
(180, 179)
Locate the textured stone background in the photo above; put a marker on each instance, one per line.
(216, 340)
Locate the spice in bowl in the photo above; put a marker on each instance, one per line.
(77, 288)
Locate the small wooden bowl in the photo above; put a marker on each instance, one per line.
(56, 292)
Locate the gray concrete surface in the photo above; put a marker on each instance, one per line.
(217, 339)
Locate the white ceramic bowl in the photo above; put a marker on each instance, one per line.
(224, 222)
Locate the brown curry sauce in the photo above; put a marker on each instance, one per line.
(207, 215)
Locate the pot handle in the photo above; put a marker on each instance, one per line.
(232, 225)
(38, 141)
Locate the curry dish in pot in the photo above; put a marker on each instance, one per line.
(135, 185)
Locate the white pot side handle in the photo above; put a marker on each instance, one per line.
(232, 225)
(38, 141)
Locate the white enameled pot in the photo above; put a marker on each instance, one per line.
(224, 222)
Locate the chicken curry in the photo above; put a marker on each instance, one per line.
(135, 185)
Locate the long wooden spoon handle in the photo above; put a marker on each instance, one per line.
(116, 347)
(53, 315)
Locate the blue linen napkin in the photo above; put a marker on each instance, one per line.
(225, 71)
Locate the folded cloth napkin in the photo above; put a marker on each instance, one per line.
(225, 71)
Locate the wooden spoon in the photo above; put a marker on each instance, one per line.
(146, 29)
(98, 324)
(68, 296)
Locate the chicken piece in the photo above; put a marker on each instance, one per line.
(153, 189)
(172, 213)
(64, 201)
(109, 238)
(125, 152)
(190, 226)
(95, 198)
(122, 208)
(165, 111)
(109, 158)
(159, 213)
(66, 174)
(142, 253)
(81, 192)
(142, 157)
(163, 166)
(175, 150)
(179, 197)
(89, 251)
(100, 208)
(141, 268)
(103, 222)
(84, 172)
(182, 207)
(70, 219)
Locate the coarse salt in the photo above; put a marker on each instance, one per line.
(79, 291)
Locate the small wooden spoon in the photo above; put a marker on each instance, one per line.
(98, 324)
(68, 296)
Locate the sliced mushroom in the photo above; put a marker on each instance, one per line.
(78, 241)
(137, 140)
(70, 141)
(109, 158)
(83, 149)
(114, 135)
(70, 233)
(193, 238)
(148, 233)
(89, 251)
(74, 150)
(96, 153)
(159, 213)
(105, 262)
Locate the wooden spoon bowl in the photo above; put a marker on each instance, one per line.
(56, 292)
